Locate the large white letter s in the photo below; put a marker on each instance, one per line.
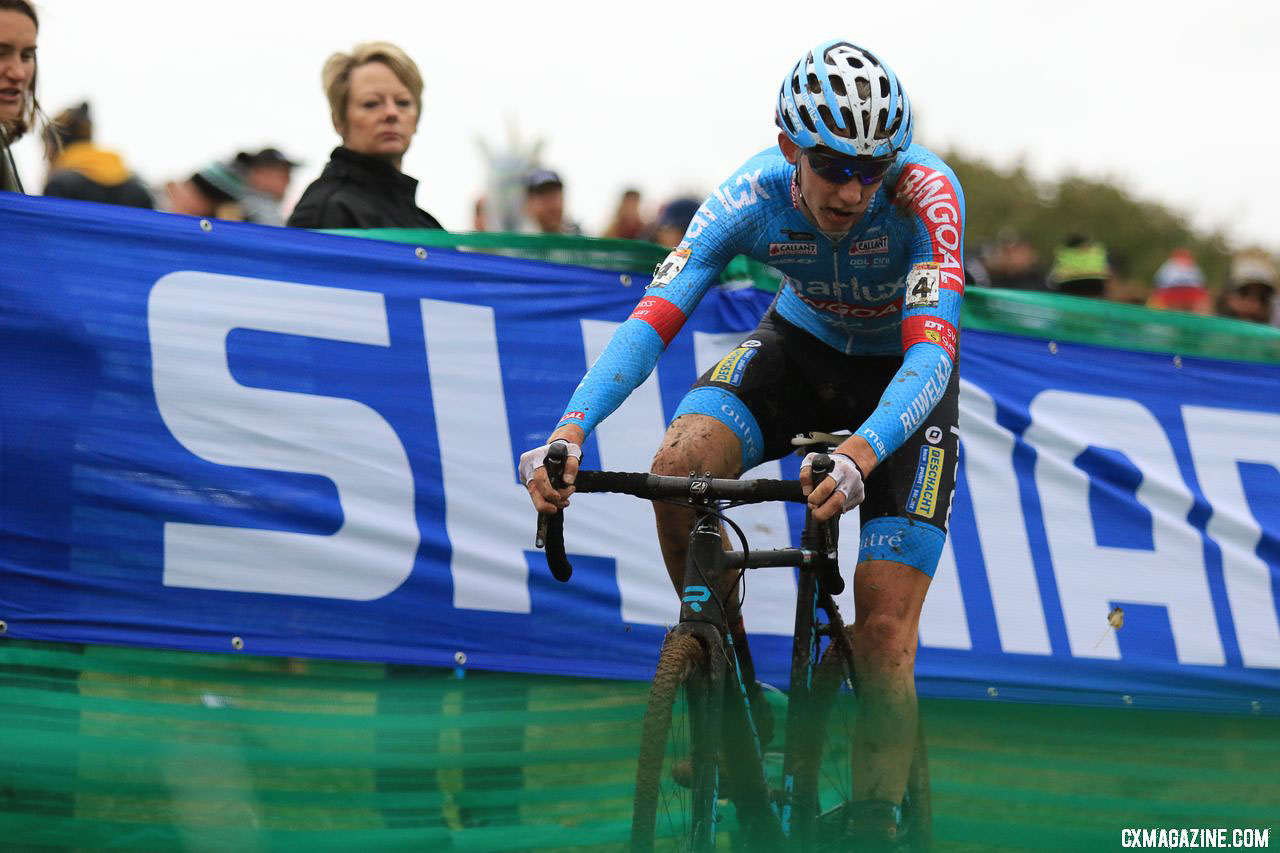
(189, 316)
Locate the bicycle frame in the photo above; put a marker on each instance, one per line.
(722, 697)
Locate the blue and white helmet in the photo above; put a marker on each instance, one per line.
(843, 97)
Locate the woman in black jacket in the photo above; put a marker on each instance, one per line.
(375, 99)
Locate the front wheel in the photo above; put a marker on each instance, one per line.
(675, 810)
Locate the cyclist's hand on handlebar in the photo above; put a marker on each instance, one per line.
(838, 492)
(533, 473)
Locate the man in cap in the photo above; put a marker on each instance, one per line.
(1250, 290)
(265, 175)
(544, 204)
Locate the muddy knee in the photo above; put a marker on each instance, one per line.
(697, 443)
(883, 644)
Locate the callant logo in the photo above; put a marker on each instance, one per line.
(875, 246)
(776, 249)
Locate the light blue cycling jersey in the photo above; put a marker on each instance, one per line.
(893, 284)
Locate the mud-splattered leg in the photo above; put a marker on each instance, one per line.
(888, 597)
(692, 443)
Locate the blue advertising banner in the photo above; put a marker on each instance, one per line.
(227, 437)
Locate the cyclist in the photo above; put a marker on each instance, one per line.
(867, 230)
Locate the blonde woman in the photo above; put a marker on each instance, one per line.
(375, 101)
(18, 106)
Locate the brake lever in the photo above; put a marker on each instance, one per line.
(828, 565)
(550, 535)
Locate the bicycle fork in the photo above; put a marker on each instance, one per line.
(713, 743)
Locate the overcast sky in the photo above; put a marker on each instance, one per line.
(1174, 101)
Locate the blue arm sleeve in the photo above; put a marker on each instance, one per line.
(931, 305)
(626, 362)
(679, 283)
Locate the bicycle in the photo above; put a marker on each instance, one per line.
(700, 713)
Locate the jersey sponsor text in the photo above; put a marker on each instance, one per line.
(934, 200)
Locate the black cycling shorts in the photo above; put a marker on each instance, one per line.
(790, 382)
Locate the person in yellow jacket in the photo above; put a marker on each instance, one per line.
(81, 170)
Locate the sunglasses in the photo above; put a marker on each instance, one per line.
(842, 170)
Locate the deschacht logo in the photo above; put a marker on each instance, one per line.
(924, 491)
(733, 365)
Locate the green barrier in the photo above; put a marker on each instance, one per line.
(1046, 315)
(603, 253)
(105, 748)
(1113, 324)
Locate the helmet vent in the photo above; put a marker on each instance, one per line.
(786, 119)
(884, 87)
(881, 131)
(893, 128)
(815, 86)
(824, 115)
(837, 85)
(807, 119)
(864, 90)
(854, 62)
(847, 115)
(795, 84)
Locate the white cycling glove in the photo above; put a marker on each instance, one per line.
(532, 460)
(848, 477)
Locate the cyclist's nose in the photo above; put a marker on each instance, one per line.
(852, 193)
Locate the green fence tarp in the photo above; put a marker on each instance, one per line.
(148, 750)
(630, 257)
(1052, 316)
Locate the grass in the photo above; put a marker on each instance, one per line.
(140, 750)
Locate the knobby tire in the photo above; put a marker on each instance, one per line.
(682, 657)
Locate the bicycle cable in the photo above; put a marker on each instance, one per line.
(746, 553)
(742, 537)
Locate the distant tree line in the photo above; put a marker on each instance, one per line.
(1138, 234)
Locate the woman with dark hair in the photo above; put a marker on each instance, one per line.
(18, 106)
(375, 100)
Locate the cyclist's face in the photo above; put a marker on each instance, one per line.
(834, 208)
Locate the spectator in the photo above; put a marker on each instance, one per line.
(214, 191)
(18, 105)
(1180, 285)
(81, 170)
(1010, 261)
(265, 176)
(1250, 290)
(1080, 268)
(544, 204)
(375, 101)
(673, 220)
(627, 222)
